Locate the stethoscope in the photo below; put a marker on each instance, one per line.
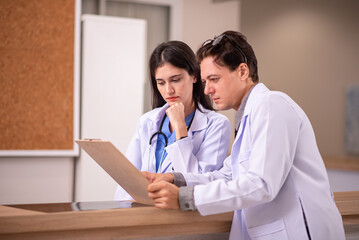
(159, 132)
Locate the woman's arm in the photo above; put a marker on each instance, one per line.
(212, 150)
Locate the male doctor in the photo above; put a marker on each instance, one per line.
(274, 179)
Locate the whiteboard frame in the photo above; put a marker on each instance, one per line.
(76, 108)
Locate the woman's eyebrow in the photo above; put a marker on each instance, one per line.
(173, 76)
(176, 75)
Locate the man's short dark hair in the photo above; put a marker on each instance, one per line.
(230, 49)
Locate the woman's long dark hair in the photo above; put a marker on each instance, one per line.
(180, 55)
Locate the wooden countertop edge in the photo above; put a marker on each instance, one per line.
(6, 211)
(109, 218)
(32, 221)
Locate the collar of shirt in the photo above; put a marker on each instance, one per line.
(240, 111)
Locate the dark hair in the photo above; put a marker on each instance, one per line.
(181, 56)
(231, 50)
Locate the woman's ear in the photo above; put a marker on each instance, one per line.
(194, 79)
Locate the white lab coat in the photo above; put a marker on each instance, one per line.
(275, 178)
(203, 150)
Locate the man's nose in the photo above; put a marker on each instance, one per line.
(207, 88)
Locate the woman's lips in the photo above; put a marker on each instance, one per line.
(172, 99)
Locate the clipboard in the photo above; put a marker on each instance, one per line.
(118, 167)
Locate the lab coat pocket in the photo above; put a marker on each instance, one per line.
(305, 224)
(274, 230)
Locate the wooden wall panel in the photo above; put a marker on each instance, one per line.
(37, 74)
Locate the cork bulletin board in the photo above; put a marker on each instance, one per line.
(39, 77)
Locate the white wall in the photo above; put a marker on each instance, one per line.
(308, 49)
(205, 19)
(342, 180)
(36, 180)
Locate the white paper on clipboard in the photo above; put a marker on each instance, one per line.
(118, 167)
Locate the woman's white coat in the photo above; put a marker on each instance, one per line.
(203, 150)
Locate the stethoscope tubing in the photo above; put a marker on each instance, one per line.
(159, 132)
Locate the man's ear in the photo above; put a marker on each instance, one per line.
(243, 71)
(194, 79)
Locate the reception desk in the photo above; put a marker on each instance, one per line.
(71, 221)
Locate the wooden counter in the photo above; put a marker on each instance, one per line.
(58, 221)
(348, 205)
(136, 222)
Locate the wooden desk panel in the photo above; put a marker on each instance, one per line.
(348, 205)
(107, 224)
(347, 202)
(136, 222)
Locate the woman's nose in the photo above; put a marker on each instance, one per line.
(169, 88)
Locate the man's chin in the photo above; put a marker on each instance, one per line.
(217, 106)
(221, 107)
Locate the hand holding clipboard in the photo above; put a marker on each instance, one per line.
(118, 167)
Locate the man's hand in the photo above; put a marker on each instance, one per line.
(164, 194)
(156, 177)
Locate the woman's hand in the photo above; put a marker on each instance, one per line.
(177, 120)
(156, 177)
(164, 194)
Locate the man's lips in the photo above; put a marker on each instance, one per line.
(215, 99)
(171, 99)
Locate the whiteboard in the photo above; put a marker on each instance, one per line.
(112, 89)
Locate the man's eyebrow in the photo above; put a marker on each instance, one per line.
(212, 75)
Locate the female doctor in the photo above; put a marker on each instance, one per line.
(182, 133)
(274, 180)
